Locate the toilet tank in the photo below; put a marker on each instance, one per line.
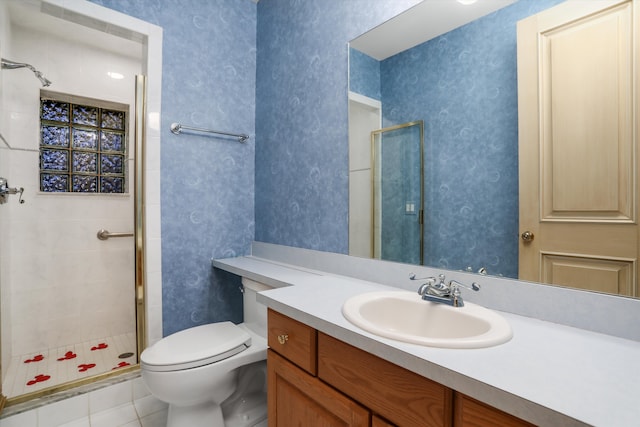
(255, 313)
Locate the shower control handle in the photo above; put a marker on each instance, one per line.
(105, 234)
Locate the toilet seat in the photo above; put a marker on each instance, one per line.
(194, 347)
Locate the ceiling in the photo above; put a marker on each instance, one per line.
(422, 22)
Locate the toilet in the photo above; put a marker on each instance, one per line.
(213, 375)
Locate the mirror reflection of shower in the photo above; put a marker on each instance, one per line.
(397, 172)
(12, 65)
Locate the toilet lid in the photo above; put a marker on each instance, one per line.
(197, 346)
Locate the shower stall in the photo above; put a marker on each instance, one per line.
(72, 224)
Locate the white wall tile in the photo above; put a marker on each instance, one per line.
(157, 419)
(110, 397)
(140, 389)
(149, 405)
(25, 419)
(83, 422)
(118, 416)
(64, 411)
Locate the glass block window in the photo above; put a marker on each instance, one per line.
(83, 145)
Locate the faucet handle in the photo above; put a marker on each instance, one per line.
(474, 286)
(424, 288)
(412, 276)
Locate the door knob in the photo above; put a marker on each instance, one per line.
(527, 236)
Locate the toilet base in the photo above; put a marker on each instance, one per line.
(207, 414)
(250, 411)
(247, 407)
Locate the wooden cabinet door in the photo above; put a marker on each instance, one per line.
(379, 422)
(296, 398)
(469, 412)
(578, 146)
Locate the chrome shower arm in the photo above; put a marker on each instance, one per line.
(12, 65)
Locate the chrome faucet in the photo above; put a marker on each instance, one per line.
(436, 290)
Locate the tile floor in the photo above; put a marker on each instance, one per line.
(33, 372)
(126, 404)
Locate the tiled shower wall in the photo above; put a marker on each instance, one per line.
(55, 289)
(4, 165)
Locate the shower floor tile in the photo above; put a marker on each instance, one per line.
(32, 372)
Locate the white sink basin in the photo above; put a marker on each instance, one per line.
(404, 316)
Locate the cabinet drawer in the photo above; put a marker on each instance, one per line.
(401, 396)
(293, 340)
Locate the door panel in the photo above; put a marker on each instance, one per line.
(577, 145)
(611, 276)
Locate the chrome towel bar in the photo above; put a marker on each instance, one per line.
(104, 234)
(177, 129)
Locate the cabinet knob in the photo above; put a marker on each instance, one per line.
(283, 338)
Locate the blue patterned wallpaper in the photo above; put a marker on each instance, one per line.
(207, 185)
(463, 84)
(301, 117)
(364, 74)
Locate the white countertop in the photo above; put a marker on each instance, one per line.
(548, 374)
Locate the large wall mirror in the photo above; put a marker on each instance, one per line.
(462, 82)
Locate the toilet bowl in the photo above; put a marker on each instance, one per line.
(212, 373)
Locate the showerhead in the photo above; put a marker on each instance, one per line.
(45, 81)
(12, 65)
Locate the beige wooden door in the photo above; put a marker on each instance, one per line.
(577, 111)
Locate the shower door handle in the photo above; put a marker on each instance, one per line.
(104, 234)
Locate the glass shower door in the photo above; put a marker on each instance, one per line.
(397, 209)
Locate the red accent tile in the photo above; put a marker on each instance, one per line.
(121, 365)
(68, 355)
(37, 358)
(84, 367)
(38, 379)
(100, 346)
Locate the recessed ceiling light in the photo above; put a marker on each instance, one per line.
(467, 2)
(115, 75)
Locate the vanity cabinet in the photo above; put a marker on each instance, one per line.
(315, 379)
